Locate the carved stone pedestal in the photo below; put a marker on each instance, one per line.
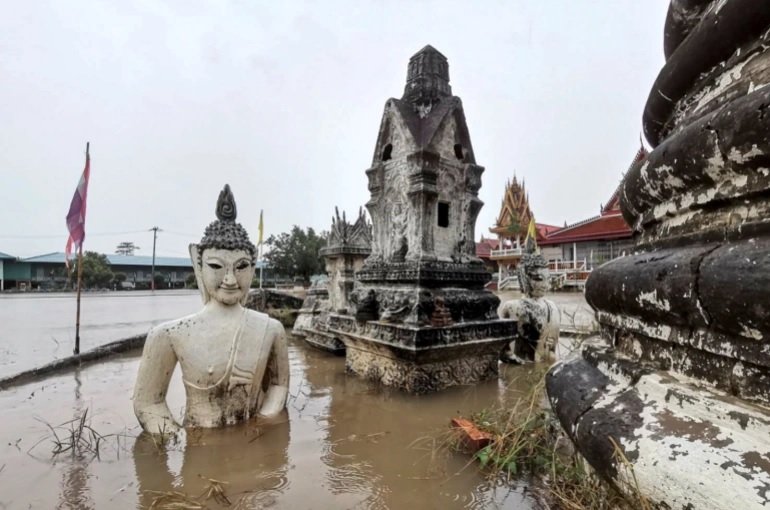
(422, 359)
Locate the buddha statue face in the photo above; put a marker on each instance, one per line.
(226, 274)
(224, 259)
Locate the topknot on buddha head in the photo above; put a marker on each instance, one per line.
(224, 233)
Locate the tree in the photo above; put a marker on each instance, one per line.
(120, 278)
(126, 248)
(296, 253)
(191, 282)
(159, 279)
(96, 270)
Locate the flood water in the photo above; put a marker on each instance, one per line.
(342, 443)
(39, 328)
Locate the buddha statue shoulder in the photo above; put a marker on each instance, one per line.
(538, 319)
(234, 361)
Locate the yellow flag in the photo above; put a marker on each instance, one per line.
(261, 227)
(531, 240)
(531, 231)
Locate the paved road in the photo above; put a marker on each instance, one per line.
(38, 328)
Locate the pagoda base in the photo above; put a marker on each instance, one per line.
(324, 341)
(690, 445)
(421, 360)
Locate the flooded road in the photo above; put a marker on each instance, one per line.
(36, 329)
(342, 443)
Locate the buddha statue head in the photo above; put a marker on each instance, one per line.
(225, 258)
(534, 274)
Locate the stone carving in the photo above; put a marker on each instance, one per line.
(345, 252)
(441, 316)
(538, 319)
(316, 302)
(234, 361)
(679, 377)
(348, 246)
(423, 273)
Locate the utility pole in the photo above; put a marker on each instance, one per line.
(154, 239)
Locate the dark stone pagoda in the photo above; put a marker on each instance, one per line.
(420, 318)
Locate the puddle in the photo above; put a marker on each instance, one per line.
(341, 443)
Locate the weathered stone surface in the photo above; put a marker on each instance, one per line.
(419, 317)
(348, 247)
(676, 433)
(685, 315)
(345, 252)
(261, 300)
(538, 319)
(316, 302)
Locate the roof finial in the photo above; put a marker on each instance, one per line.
(427, 79)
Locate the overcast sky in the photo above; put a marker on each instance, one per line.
(283, 100)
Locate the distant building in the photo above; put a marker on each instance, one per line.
(48, 271)
(5, 268)
(573, 251)
(511, 230)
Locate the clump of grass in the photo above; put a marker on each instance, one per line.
(76, 437)
(527, 440)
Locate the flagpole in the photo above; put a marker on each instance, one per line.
(259, 244)
(77, 317)
(260, 265)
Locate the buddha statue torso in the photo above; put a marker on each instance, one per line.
(234, 361)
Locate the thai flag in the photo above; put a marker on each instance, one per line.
(76, 218)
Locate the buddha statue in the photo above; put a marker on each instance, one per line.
(538, 319)
(234, 361)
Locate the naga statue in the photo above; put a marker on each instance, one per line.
(234, 360)
(538, 319)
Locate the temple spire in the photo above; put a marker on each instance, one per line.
(427, 79)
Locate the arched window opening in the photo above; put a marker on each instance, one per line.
(459, 151)
(387, 151)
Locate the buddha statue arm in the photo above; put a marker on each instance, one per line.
(278, 372)
(155, 369)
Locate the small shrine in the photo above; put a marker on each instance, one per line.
(348, 246)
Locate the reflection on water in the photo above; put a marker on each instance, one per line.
(341, 443)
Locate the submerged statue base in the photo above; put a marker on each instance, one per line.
(421, 360)
(423, 338)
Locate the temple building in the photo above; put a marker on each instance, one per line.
(573, 251)
(511, 230)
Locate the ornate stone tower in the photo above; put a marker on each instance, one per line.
(424, 184)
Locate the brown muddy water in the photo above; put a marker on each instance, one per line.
(342, 443)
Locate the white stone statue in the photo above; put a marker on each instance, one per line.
(538, 318)
(234, 360)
